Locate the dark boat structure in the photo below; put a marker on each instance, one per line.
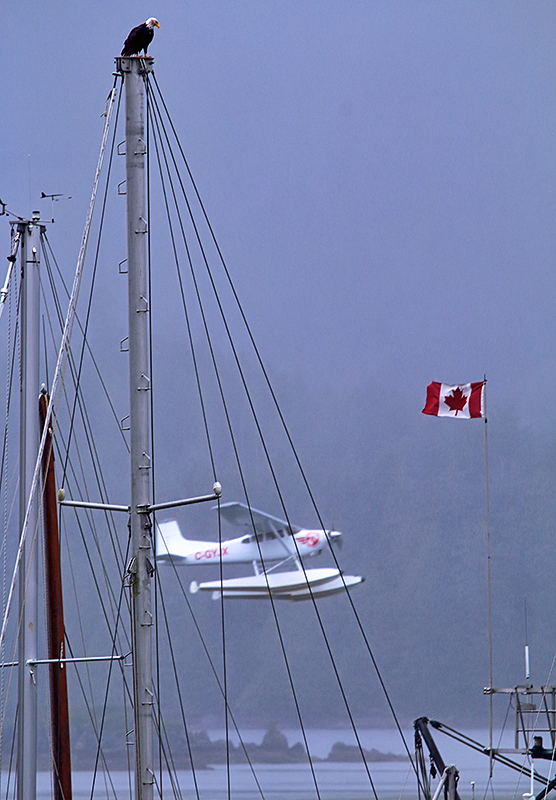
(534, 725)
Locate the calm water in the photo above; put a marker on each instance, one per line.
(335, 781)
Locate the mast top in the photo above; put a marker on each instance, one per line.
(139, 64)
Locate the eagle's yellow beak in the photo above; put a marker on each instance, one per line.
(157, 24)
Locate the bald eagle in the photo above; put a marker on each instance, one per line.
(140, 37)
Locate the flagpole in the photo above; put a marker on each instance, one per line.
(489, 580)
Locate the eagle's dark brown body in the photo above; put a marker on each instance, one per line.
(140, 38)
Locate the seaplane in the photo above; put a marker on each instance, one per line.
(271, 545)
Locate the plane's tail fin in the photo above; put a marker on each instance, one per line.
(169, 541)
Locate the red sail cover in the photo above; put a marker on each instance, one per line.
(464, 402)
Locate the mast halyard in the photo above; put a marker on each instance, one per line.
(142, 560)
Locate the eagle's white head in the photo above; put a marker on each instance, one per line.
(152, 23)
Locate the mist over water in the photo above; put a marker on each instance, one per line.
(335, 781)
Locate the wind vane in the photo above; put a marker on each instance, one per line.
(54, 199)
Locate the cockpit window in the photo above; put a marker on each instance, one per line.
(267, 536)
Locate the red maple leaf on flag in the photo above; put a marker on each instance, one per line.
(456, 401)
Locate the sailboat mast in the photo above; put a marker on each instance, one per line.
(59, 714)
(141, 568)
(29, 445)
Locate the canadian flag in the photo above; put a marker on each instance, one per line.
(464, 402)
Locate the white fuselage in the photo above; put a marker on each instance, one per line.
(269, 546)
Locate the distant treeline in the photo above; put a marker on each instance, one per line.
(409, 494)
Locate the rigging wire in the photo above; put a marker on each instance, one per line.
(60, 366)
(111, 627)
(24, 579)
(489, 782)
(63, 453)
(168, 756)
(12, 259)
(111, 601)
(277, 487)
(180, 698)
(244, 487)
(213, 669)
(158, 148)
(117, 551)
(89, 349)
(88, 698)
(12, 752)
(63, 385)
(281, 417)
(211, 455)
(253, 411)
(10, 369)
(151, 417)
(110, 668)
(164, 752)
(224, 686)
(95, 265)
(77, 605)
(9, 383)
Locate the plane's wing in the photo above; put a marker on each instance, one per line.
(241, 515)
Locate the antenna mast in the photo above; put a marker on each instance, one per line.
(30, 231)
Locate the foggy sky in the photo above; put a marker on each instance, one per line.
(381, 180)
(380, 175)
